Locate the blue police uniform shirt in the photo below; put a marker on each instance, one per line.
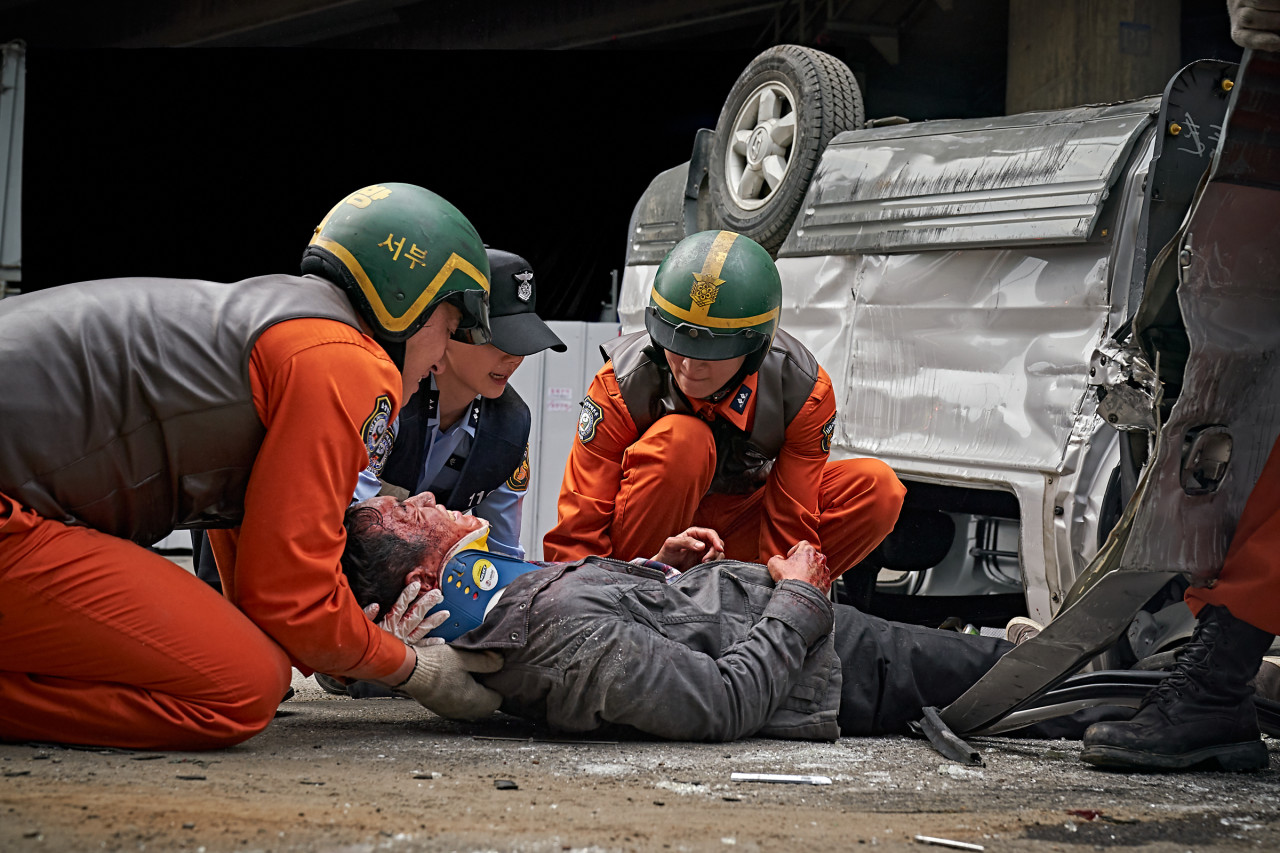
(446, 451)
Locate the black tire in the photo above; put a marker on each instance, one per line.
(819, 91)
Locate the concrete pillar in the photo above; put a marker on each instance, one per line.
(1064, 53)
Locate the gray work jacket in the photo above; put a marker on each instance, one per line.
(718, 654)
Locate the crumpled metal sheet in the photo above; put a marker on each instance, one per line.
(633, 295)
(1014, 180)
(1229, 293)
(978, 357)
(1131, 388)
(1230, 298)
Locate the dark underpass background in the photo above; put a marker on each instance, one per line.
(217, 163)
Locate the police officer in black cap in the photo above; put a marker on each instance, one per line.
(470, 406)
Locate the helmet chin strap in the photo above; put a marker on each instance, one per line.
(395, 352)
(731, 386)
(749, 366)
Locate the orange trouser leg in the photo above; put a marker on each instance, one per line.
(664, 475)
(103, 642)
(860, 502)
(737, 519)
(1249, 585)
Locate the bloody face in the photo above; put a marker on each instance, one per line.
(421, 520)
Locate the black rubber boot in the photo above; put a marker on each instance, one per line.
(1201, 713)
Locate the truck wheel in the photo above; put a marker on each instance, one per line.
(778, 118)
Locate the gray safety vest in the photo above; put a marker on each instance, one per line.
(125, 404)
(743, 460)
(501, 436)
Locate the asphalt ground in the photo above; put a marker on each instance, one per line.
(333, 773)
(339, 774)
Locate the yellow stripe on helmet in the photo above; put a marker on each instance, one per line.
(718, 252)
(709, 279)
(711, 322)
(393, 322)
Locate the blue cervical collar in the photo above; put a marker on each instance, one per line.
(469, 581)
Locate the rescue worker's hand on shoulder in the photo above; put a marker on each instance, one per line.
(441, 681)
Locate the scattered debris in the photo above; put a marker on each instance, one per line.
(191, 777)
(505, 785)
(956, 771)
(188, 825)
(17, 773)
(682, 788)
(1087, 814)
(781, 777)
(947, 842)
(151, 756)
(308, 782)
(546, 740)
(944, 740)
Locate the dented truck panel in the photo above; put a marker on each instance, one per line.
(1030, 179)
(971, 287)
(1221, 428)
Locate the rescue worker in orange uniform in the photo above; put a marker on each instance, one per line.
(134, 406)
(1203, 714)
(714, 417)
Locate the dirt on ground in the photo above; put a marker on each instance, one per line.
(338, 774)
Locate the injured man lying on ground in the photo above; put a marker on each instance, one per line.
(683, 646)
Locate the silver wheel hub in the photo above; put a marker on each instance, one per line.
(762, 145)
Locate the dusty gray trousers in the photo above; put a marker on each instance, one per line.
(893, 670)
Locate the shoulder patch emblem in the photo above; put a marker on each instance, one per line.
(590, 418)
(519, 481)
(740, 399)
(377, 435)
(827, 431)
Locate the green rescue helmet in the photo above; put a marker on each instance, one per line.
(399, 251)
(716, 295)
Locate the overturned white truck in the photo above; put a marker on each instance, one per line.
(997, 302)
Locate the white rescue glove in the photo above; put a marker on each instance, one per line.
(408, 617)
(441, 682)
